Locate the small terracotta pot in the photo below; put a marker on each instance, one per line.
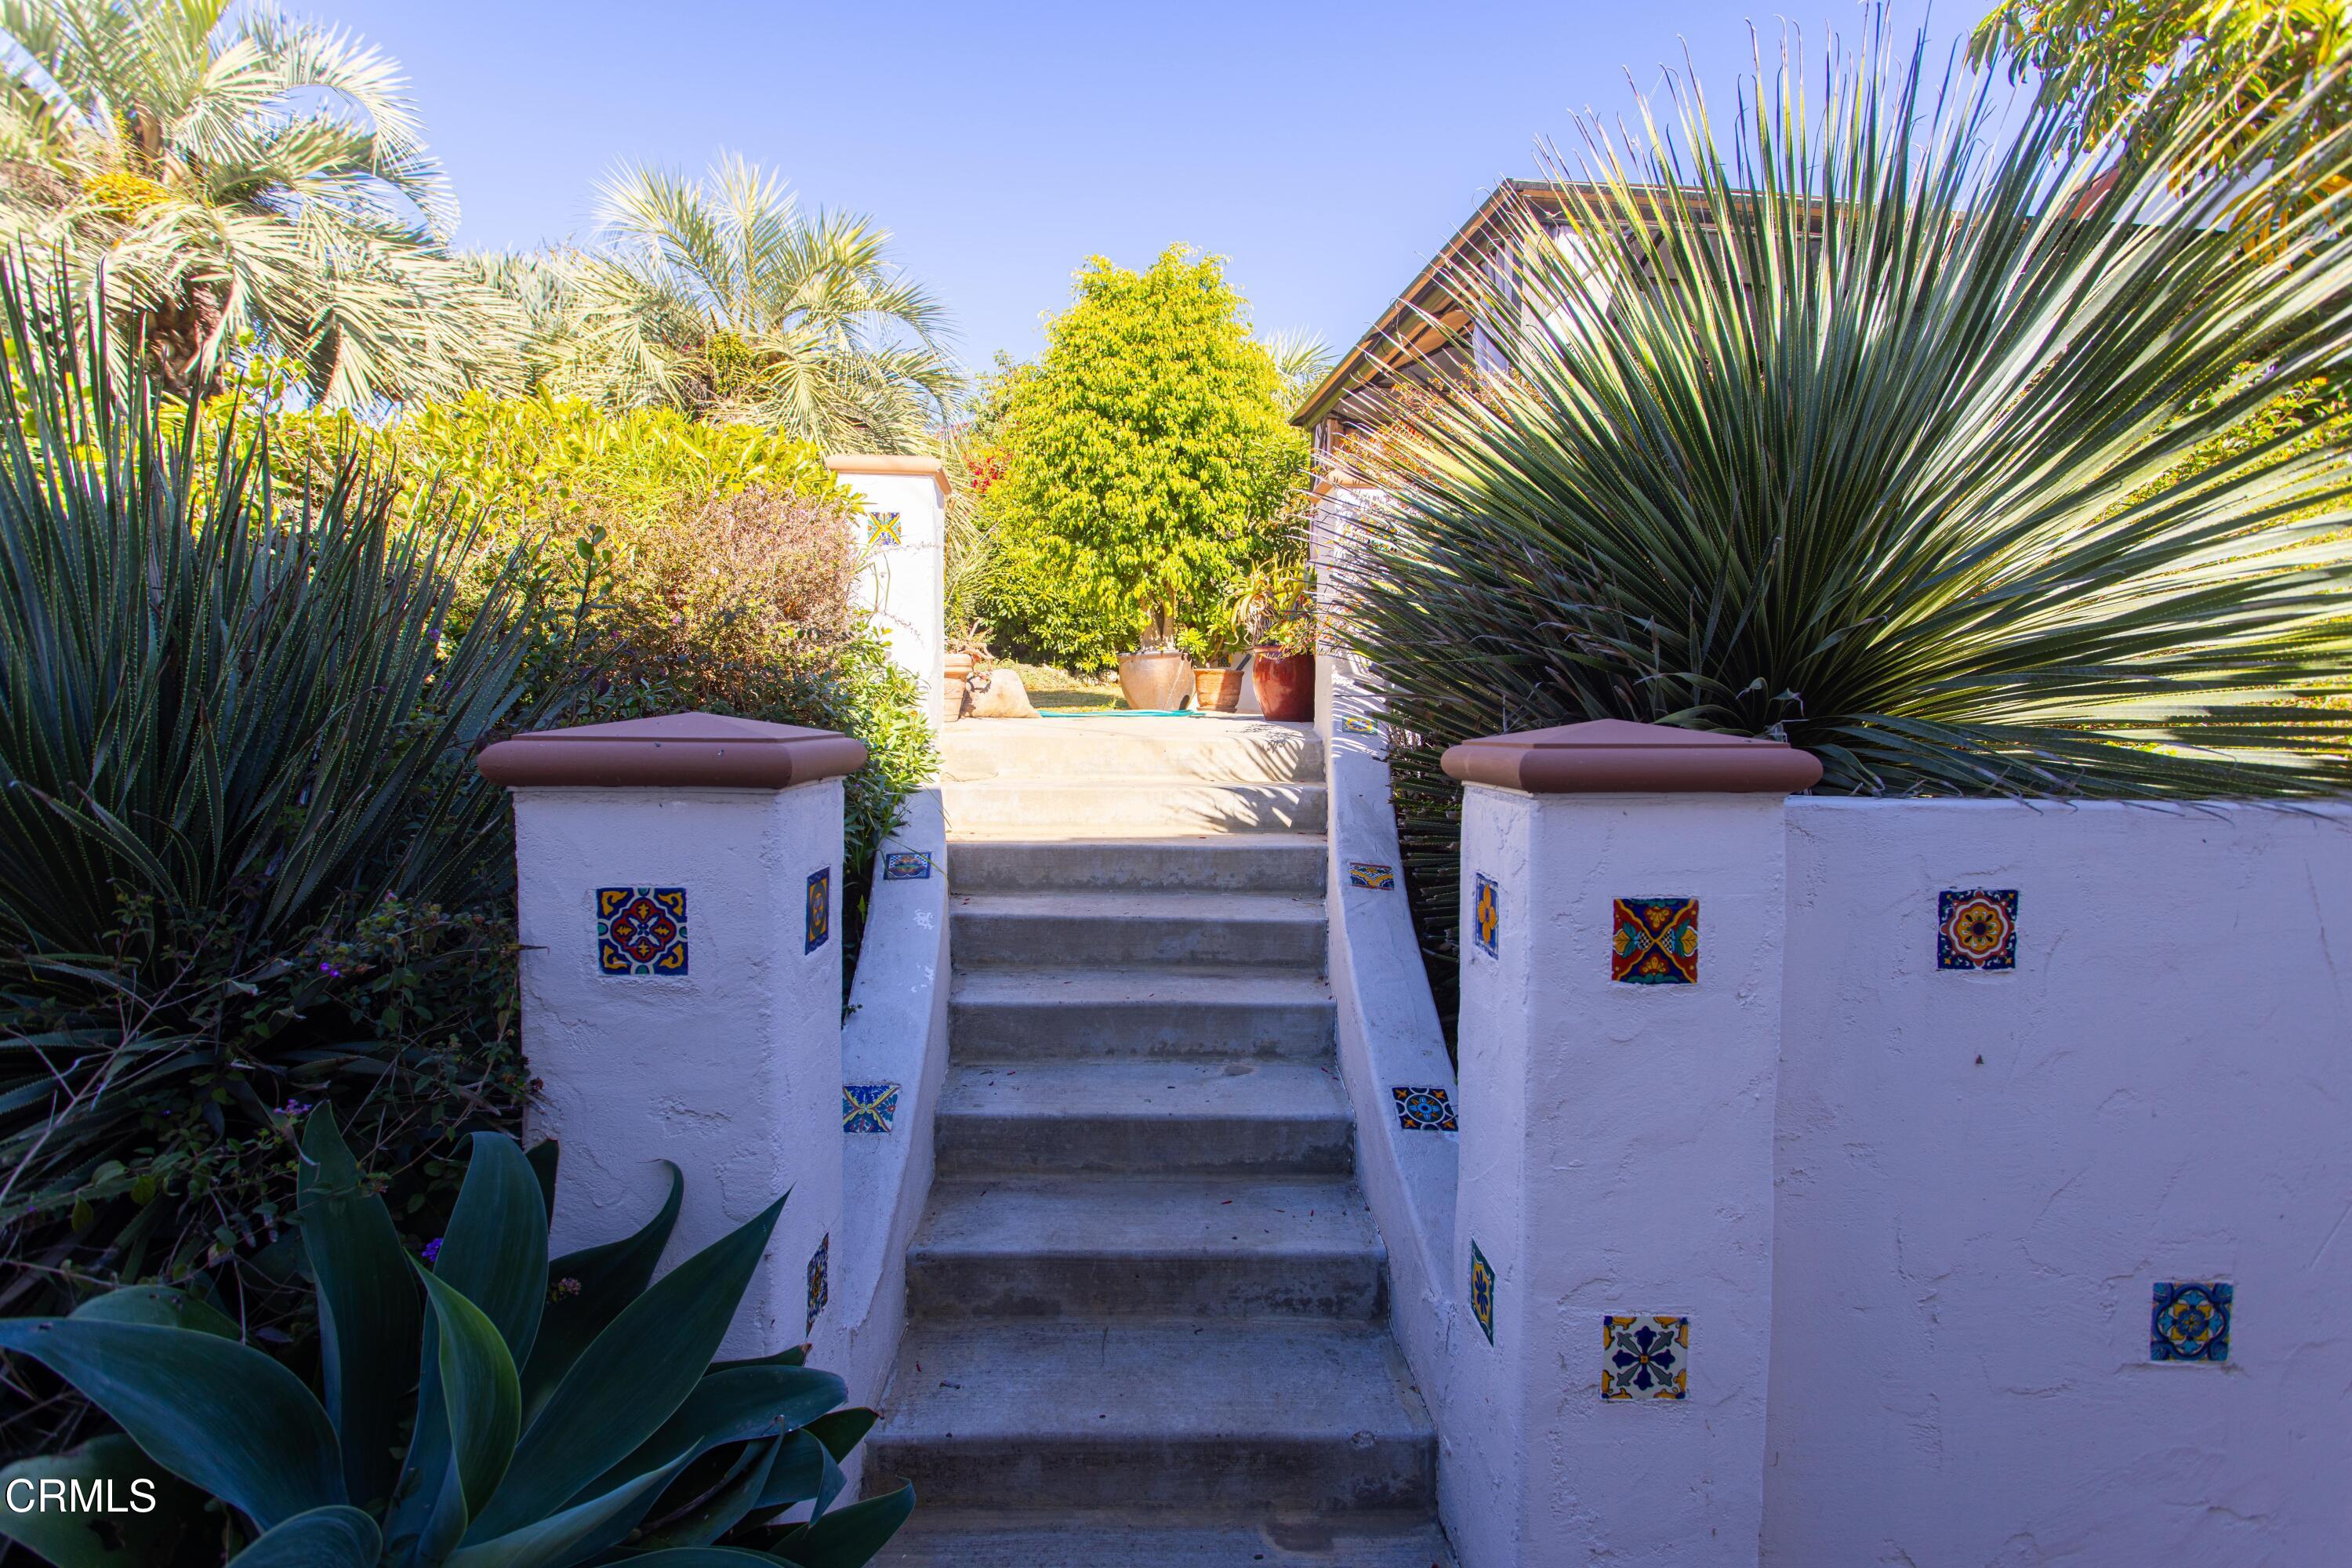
(1216, 690)
(1154, 681)
(951, 689)
(1285, 683)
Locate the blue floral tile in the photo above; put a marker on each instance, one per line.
(1486, 913)
(905, 866)
(1655, 942)
(1369, 874)
(820, 908)
(868, 1107)
(820, 1281)
(1355, 724)
(1975, 928)
(2190, 1321)
(883, 529)
(1425, 1109)
(641, 930)
(1644, 1358)
(1482, 1292)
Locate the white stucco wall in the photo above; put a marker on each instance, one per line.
(896, 1032)
(905, 584)
(1980, 1177)
(731, 1071)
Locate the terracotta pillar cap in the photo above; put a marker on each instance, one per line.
(691, 750)
(1616, 756)
(885, 463)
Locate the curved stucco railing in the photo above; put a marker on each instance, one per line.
(896, 1033)
(1388, 1035)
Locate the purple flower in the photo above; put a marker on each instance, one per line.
(293, 1107)
(433, 1250)
(327, 969)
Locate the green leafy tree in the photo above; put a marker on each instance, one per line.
(2272, 70)
(1146, 460)
(720, 298)
(242, 182)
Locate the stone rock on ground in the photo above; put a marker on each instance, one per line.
(999, 694)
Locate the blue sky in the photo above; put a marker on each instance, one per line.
(1325, 150)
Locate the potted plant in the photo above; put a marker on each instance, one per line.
(1156, 677)
(1216, 673)
(966, 649)
(1275, 608)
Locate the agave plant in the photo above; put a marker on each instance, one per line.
(492, 1409)
(1909, 432)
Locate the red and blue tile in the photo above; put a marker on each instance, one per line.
(1655, 942)
(1975, 928)
(641, 930)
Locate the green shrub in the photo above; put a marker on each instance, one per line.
(245, 858)
(490, 1407)
(1145, 459)
(1924, 461)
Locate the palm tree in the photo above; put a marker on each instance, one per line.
(721, 298)
(252, 184)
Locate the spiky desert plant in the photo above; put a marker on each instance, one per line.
(1882, 424)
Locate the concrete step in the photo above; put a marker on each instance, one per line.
(1259, 1116)
(1214, 751)
(1103, 1246)
(1250, 863)
(1108, 1538)
(1012, 1014)
(1115, 805)
(1101, 930)
(1267, 1416)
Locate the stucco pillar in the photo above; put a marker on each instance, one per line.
(904, 528)
(1621, 926)
(679, 910)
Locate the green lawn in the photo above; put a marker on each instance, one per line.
(1051, 687)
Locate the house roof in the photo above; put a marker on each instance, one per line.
(1427, 314)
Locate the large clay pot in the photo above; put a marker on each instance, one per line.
(1155, 681)
(1285, 683)
(1216, 690)
(951, 689)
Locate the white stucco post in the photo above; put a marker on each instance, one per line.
(1621, 928)
(904, 528)
(679, 912)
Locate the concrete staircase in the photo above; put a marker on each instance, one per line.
(1147, 1311)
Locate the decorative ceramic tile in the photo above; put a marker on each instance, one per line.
(820, 908)
(868, 1107)
(1485, 914)
(1655, 942)
(1976, 929)
(1425, 1109)
(641, 930)
(1644, 1358)
(884, 529)
(820, 1282)
(1482, 1292)
(1355, 724)
(1366, 874)
(2190, 1321)
(905, 866)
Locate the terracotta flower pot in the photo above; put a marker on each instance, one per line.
(1154, 681)
(951, 689)
(1285, 683)
(1216, 690)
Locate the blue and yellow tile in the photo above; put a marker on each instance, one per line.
(820, 1279)
(868, 1107)
(1482, 1292)
(641, 930)
(1975, 928)
(1655, 942)
(1486, 913)
(1644, 1358)
(2190, 1321)
(1370, 874)
(905, 866)
(1423, 1110)
(820, 909)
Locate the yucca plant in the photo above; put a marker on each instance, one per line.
(491, 1409)
(1900, 425)
(236, 795)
